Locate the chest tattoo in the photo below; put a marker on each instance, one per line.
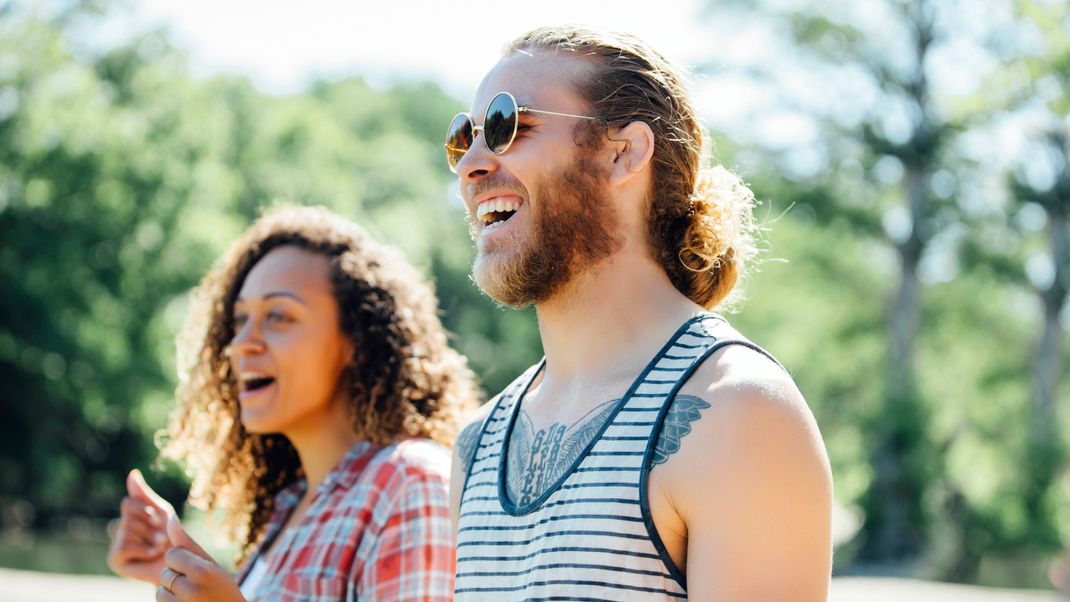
(539, 457)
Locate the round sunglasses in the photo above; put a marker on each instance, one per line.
(499, 127)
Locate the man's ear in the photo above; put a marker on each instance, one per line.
(632, 147)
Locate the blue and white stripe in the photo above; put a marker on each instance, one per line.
(590, 536)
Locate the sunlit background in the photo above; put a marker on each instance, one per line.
(911, 157)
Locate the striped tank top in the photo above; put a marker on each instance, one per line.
(589, 536)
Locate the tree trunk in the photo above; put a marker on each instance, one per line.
(1044, 451)
(895, 519)
(894, 514)
(1047, 365)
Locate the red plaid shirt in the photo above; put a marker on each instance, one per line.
(378, 528)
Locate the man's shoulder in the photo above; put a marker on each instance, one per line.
(750, 423)
(738, 370)
(469, 435)
(478, 416)
(742, 383)
(474, 422)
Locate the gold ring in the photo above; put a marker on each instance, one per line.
(171, 582)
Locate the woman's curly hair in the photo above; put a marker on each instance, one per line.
(404, 380)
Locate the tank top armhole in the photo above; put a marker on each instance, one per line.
(498, 406)
(677, 574)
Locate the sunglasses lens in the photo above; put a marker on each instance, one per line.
(458, 139)
(500, 126)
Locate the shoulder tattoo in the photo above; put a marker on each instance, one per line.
(466, 443)
(685, 409)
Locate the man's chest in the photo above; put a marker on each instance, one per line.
(544, 446)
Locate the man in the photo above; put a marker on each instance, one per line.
(655, 453)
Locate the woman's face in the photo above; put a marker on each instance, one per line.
(288, 352)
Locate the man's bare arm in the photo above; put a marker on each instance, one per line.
(753, 486)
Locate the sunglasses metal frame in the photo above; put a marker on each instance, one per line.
(518, 108)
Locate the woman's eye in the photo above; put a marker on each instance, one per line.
(277, 317)
(240, 320)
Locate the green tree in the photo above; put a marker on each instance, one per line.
(1041, 179)
(887, 161)
(122, 178)
(932, 438)
(88, 198)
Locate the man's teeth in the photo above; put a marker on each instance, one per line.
(495, 205)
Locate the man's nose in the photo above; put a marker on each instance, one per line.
(478, 162)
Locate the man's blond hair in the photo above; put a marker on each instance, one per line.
(701, 227)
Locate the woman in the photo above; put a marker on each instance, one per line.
(319, 394)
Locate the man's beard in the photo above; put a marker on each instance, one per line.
(570, 229)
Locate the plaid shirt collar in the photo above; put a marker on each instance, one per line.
(344, 474)
(377, 528)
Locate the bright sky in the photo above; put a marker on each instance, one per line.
(282, 45)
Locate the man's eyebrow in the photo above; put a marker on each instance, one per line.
(275, 294)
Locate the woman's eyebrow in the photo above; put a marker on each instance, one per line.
(275, 294)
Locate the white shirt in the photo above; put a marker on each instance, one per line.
(252, 581)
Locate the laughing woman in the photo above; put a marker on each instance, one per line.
(317, 398)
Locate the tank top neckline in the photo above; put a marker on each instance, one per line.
(515, 509)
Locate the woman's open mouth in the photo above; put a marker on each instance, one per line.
(252, 383)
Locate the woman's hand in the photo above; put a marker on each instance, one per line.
(138, 544)
(190, 574)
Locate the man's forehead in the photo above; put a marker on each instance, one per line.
(533, 78)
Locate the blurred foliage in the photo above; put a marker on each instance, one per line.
(906, 150)
(122, 178)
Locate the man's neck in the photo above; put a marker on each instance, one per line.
(610, 320)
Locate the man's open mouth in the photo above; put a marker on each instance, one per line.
(496, 211)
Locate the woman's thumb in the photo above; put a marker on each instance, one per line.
(138, 489)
